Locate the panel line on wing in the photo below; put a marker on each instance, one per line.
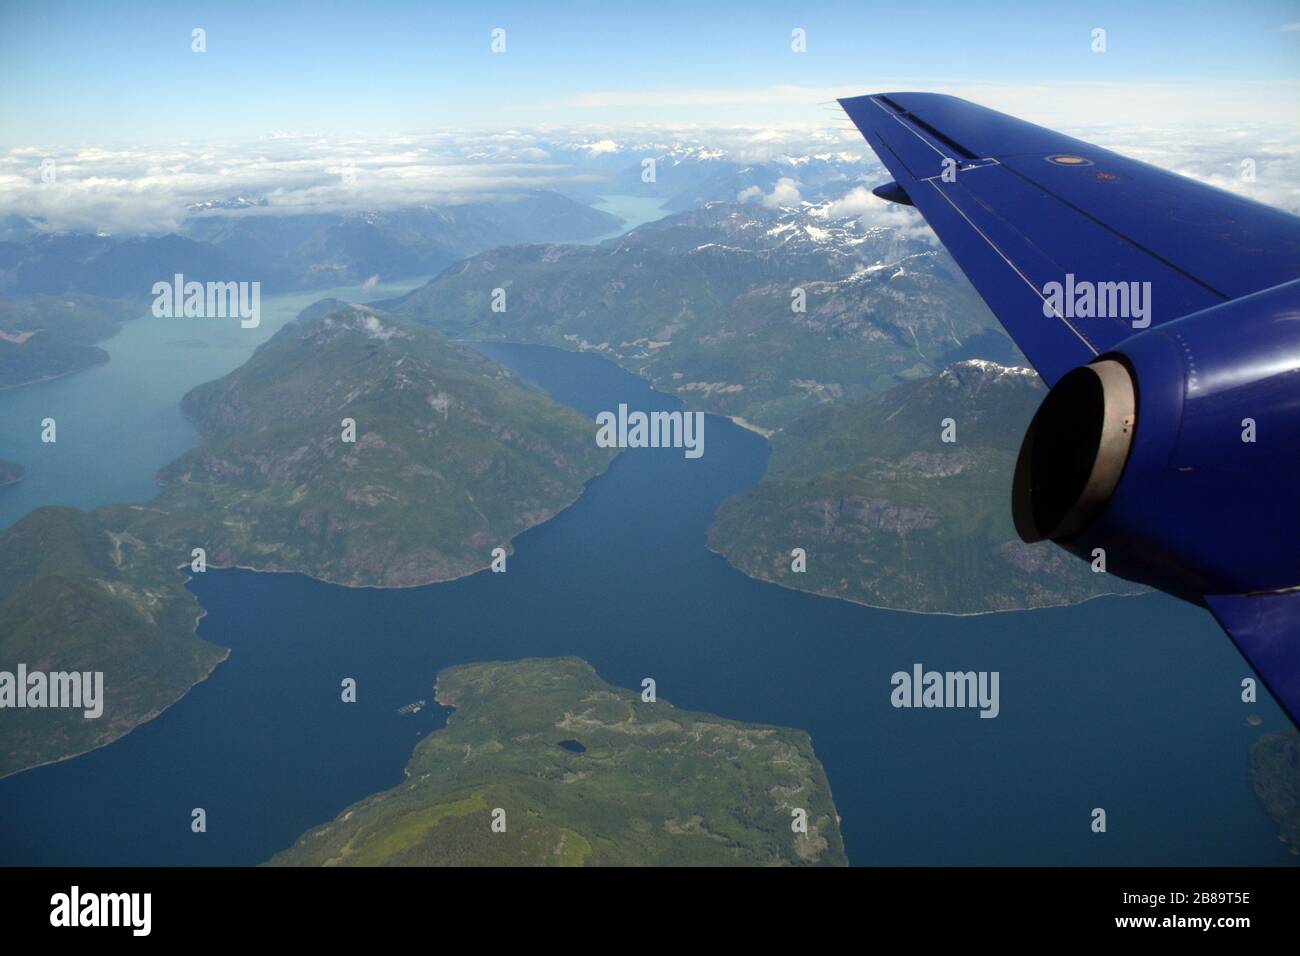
(1115, 232)
(977, 164)
(911, 130)
(994, 246)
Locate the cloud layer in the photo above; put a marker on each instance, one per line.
(149, 190)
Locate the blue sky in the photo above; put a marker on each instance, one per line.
(124, 72)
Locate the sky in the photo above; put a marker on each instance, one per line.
(115, 72)
(327, 106)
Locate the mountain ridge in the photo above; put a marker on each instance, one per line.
(890, 515)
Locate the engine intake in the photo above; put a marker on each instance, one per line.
(1074, 452)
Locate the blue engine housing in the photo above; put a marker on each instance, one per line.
(1155, 470)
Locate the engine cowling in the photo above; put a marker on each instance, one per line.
(1178, 453)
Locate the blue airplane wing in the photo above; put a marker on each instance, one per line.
(1023, 206)
(1266, 629)
(1026, 206)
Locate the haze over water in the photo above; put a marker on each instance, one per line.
(119, 422)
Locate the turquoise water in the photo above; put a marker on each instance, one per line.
(633, 210)
(1126, 704)
(118, 423)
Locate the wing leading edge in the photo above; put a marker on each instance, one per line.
(1023, 207)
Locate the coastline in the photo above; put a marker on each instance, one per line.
(202, 613)
(766, 433)
(56, 377)
(907, 610)
(157, 712)
(509, 544)
(656, 384)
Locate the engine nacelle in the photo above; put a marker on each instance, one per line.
(1178, 453)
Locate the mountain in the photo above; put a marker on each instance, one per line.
(229, 203)
(892, 516)
(701, 304)
(80, 592)
(48, 336)
(15, 229)
(688, 175)
(241, 240)
(586, 774)
(453, 457)
(815, 177)
(619, 168)
(127, 268)
(342, 249)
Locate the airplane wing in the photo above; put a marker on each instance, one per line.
(1265, 627)
(1025, 206)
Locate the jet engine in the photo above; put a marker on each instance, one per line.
(1177, 453)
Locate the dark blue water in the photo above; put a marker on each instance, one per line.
(1126, 704)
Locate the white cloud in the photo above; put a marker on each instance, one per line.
(857, 202)
(1217, 156)
(146, 190)
(784, 194)
(601, 146)
(872, 211)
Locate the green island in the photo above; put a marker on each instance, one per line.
(453, 457)
(1275, 777)
(890, 515)
(586, 774)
